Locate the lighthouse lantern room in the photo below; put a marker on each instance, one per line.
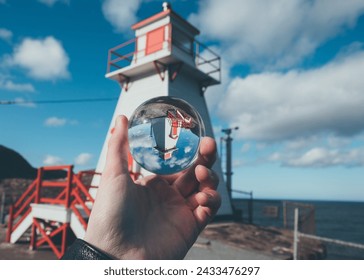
(164, 59)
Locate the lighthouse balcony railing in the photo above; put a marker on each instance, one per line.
(202, 57)
(207, 60)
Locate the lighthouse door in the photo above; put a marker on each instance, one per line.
(155, 40)
(174, 129)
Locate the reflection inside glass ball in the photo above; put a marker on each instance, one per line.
(165, 134)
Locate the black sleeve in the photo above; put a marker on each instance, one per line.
(81, 250)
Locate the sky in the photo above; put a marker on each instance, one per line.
(292, 81)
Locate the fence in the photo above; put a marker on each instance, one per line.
(333, 248)
(245, 209)
(306, 216)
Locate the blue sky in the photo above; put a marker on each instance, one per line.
(292, 82)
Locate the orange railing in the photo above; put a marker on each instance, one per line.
(64, 197)
(124, 54)
(21, 209)
(47, 237)
(73, 194)
(121, 55)
(206, 60)
(81, 196)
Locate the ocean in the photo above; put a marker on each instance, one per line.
(332, 219)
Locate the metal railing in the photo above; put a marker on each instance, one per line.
(346, 250)
(246, 209)
(121, 56)
(70, 192)
(306, 216)
(207, 60)
(204, 58)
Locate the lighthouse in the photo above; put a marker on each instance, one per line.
(164, 59)
(166, 132)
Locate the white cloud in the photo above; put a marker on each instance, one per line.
(6, 35)
(150, 161)
(44, 59)
(302, 143)
(321, 157)
(277, 33)
(298, 104)
(187, 149)
(11, 86)
(51, 3)
(55, 122)
(140, 139)
(24, 103)
(337, 142)
(52, 160)
(121, 14)
(83, 159)
(181, 163)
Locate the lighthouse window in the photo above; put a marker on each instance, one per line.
(155, 40)
(182, 41)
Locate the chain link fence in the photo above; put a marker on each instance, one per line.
(333, 249)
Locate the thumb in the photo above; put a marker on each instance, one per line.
(118, 149)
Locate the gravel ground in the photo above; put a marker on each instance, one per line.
(21, 251)
(218, 248)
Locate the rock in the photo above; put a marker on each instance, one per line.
(13, 165)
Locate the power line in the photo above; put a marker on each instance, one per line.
(16, 102)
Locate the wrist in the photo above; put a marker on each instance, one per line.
(82, 250)
(115, 250)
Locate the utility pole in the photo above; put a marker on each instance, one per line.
(229, 171)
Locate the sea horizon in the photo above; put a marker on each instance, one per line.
(299, 199)
(337, 220)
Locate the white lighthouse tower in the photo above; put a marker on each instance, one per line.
(166, 132)
(164, 59)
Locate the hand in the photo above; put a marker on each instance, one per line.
(156, 217)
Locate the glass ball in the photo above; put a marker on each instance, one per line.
(165, 135)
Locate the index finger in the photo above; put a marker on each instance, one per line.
(117, 154)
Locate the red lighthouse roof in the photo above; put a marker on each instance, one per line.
(150, 19)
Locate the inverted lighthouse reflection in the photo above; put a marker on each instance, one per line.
(165, 134)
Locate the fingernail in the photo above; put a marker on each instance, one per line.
(117, 120)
